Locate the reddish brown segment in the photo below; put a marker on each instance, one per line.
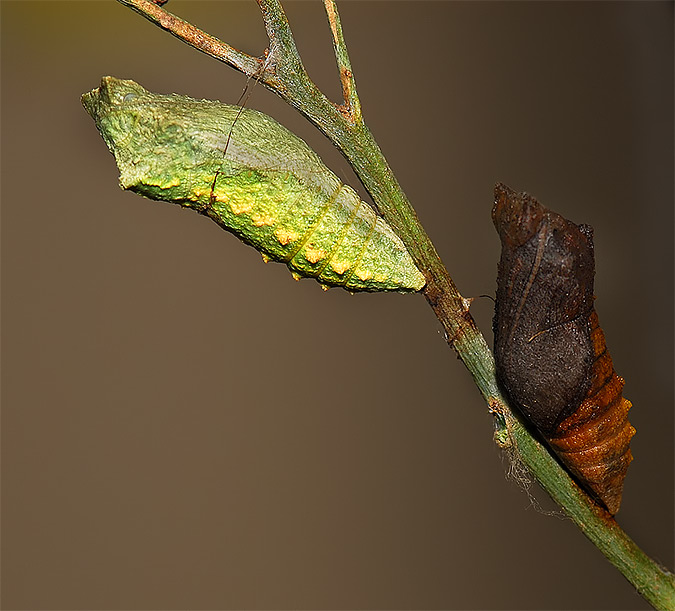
(550, 353)
(594, 441)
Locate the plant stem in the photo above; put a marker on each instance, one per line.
(195, 37)
(283, 72)
(352, 106)
(655, 584)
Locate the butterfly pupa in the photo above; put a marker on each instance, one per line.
(254, 178)
(550, 351)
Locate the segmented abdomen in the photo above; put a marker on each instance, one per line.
(324, 232)
(594, 441)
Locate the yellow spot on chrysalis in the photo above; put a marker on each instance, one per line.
(363, 274)
(296, 276)
(262, 219)
(325, 287)
(173, 182)
(241, 207)
(314, 254)
(265, 258)
(339, 267)
(285, 236)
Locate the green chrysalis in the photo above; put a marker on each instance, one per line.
(254, 178)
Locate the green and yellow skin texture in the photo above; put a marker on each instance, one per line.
(256, 179)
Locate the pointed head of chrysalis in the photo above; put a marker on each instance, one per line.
(154, 147)
(550, 352)
(544, 299)
(117, 109)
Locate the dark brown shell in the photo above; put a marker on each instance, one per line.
(550, 352)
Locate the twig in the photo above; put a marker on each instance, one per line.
(654, 583)
(282, 43)
(285, 74)
(352, 105)
(194, 36)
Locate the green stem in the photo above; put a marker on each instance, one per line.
(352, 102)
(284, 73)
(654, 583)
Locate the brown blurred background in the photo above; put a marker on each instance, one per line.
(184, 427)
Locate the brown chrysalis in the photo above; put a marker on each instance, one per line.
(550, 352)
